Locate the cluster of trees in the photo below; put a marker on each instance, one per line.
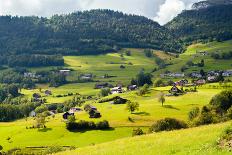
(167, 124)
(82, 125)
(27, 60)
(88, 32)
(222, 55)
(218, 110)
(208, 24)
(10, 112)
(142, 78)
(8, 91)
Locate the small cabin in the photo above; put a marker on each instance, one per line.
(116, 90)
(94, 114)
(48, 92)
(36, 95)
(65, 72)
(32, 114)
(67, 114)
(132, 87)
(175, 90)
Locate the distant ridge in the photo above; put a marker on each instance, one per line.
(209, 3)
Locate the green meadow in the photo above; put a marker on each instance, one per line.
(199, 140)
(194, 141)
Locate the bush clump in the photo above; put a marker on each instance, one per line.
(137, 132)
(167, 124)
(86, 125)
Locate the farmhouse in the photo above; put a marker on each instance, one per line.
(73, 110)
(132, 87)
(175, 75)
(182, 82)
(65, 72)
(227, 73)
(212, 78)
(31, 75)
(36, 96)
(175, 90)
(48, 92)
(103, 85)
(86, 77)
(32, 114)
(94, 114)
(200, 82)
(195, 75)
(116, 90)
(67, 114)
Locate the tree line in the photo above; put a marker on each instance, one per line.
(26, 60)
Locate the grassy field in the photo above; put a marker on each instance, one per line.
(15, 134)
(191, 54)
(150, 110)
(194, 141)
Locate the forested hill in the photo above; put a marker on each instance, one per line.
(88, 32)
(207, 23)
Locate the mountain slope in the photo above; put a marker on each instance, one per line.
(200, 141)
(205, 23)
(88, 32)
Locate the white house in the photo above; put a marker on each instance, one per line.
(32, 114)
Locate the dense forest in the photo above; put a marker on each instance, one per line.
(26, 60)
(209, 23)
(88, 32)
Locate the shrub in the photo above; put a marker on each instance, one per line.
(222, 100)
(229, 113)
(105, 92)
(41, 109)
(53, 149)
(137, 132)
(167, 124)
(132, 106)
(144, 90)
(159, 83)
(193, 113)
(102, 125)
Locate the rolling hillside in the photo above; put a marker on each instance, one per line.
(81, 33)
(200, 141)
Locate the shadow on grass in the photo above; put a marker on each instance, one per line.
(85, 130)
(142, 113)
(170, 107)
(44, 129)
